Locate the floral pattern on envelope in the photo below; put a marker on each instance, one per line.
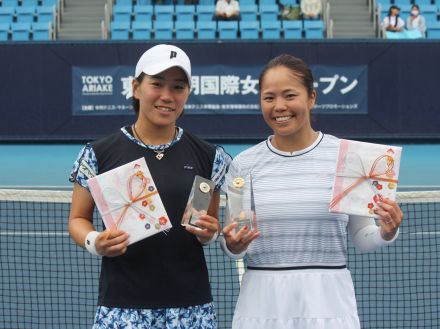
(127, 198)
(365, 173)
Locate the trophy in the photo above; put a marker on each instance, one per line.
(199, 200)
(240, 207)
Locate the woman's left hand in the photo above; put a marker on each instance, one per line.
(207, 227)
(390, 218)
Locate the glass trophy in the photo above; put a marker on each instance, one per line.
(199, 200)
(240, 207)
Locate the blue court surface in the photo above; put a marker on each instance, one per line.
(49, 165)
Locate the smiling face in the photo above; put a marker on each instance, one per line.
(286, 103)
(161, 97)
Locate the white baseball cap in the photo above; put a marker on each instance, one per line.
(162, 57)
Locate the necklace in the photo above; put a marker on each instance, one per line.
(160, 153)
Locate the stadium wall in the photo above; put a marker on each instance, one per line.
(403, 88)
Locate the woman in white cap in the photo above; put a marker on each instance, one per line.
(296, 275)
(161, 281)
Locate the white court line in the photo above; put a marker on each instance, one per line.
(30, 233)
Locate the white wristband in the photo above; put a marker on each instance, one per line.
(380, 240)
(214, 237)
(230, 253)
(90, 242)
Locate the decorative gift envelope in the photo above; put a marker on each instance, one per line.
(127, 199)
(198, 201)
(365, 173)
(240, 204)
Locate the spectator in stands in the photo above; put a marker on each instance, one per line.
(289, 12)
(161, 281)
(416, 21)
(296, 275)
(392, 22)
(311, 9)
(227, 10)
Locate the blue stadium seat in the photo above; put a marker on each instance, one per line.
(50, 3)
(314, 29)
(429, 12)
(405, 11)
(424, 2)
(29, 3)
(207, 2)
(163, 30)
(164, 12)
(268, 12)
(206, 30)
(433, 30)
(124, 3)
(4, 31)
(391, 35)
(385, 6)
(122, 13)
(401, 3)
(292, 3)
(247, 2)
(413, 34)
(21, 31)
(7, 14)
(267, 2)
(143, 13)
(185, 13)
(144, 2)
(185, 30)
(248, 12)
(141, 30)
(227, 30)
(9, 3)
(292, 29)
(405, 34)
(46, 13)
(25, 14)
(120, 30)
(205, 12)
(249, 30)
(271, 29)
(42, 31)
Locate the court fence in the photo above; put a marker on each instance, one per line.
(46, 281)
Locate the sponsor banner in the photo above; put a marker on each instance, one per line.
(217, 89)
(102, 90)
(341, 89)
(224, 89)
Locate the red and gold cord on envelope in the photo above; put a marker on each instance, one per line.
(385, 176)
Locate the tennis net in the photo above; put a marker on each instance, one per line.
(46, 281)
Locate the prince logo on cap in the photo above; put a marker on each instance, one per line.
(160, 58)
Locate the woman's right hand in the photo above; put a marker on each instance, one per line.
(239, 242)
(111, 243)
